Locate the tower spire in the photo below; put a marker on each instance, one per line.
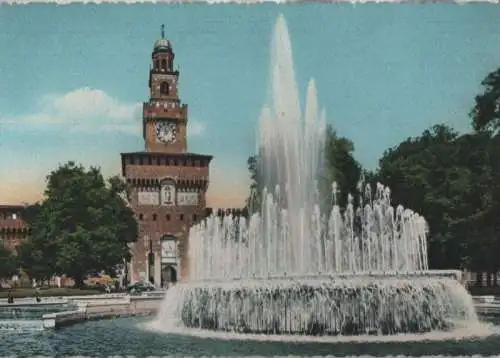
(162, 31)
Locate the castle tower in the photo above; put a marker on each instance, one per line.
(13, 229)
(168, 184)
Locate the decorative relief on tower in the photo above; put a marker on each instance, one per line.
(148, 197)
(168, 194)
(169, 250)
(187, 198)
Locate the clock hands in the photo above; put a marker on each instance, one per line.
(166, 132)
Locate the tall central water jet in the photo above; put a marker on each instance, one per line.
(293, 269)
(291, 151)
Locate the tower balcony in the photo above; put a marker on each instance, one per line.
(164, 109)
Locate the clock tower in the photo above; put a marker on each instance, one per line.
(167, 183)
(165, 119)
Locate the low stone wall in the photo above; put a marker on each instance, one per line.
(32, 302)
(486, 299)
(487, 305)
(145, 303)
(108, 296)
(20, 302)
(104, 308)
(61, 319)
(487, 309)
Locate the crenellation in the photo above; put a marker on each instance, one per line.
(226, 212)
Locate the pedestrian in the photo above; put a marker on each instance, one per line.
(37, 295)
(10, 298)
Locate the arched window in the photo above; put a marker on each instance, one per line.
(170, 64)
(157, 66)
(164, 88)
(163, 64)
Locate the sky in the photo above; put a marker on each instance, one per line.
(73, 77)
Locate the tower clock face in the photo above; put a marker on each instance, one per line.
(166, 131)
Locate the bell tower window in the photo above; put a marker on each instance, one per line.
(164, 88)
(157, 67)
(163, 64)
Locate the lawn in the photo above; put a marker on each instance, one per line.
(46, 292)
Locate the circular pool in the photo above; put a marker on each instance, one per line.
(127, 336)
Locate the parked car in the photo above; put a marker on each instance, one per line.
(139, 287)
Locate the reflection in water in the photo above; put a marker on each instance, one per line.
(125, 336)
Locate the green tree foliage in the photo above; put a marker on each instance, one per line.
(36, 256)
(33, 262)
(83, 225)
(8, 264)
(448, 179)
(486, 117)
(486, 112)
(340, 166)
(484, 227)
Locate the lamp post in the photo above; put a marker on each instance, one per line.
(125, 274)
(148, 245)
(151, 262)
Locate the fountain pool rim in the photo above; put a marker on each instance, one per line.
(313, 304)
(357, 276)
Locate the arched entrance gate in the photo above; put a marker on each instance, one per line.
(168, 260)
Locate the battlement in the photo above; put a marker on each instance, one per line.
(13, 229)
(226, 211)
(11, 217)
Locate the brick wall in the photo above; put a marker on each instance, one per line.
(13, 228)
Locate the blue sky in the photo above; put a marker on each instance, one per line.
(71, 78)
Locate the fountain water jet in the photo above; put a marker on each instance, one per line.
(291, 269)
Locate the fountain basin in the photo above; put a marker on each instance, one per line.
(371, 303)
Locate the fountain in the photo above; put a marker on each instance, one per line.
(292, 269)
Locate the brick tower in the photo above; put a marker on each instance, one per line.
(168, 184)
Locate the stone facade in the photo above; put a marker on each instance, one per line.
(168, 184)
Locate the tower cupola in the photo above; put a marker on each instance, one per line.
(163, 55)
(162, 44)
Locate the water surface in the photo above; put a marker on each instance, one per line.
(124, 336)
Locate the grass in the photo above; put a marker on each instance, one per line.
(47, 292)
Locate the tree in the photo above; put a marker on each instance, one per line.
(446, 178)
(340, 167)
(36, 255)
(486, 118)
(83, 225)
(8, 265)
(486, 112)
(32, 261)
(484, 226)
